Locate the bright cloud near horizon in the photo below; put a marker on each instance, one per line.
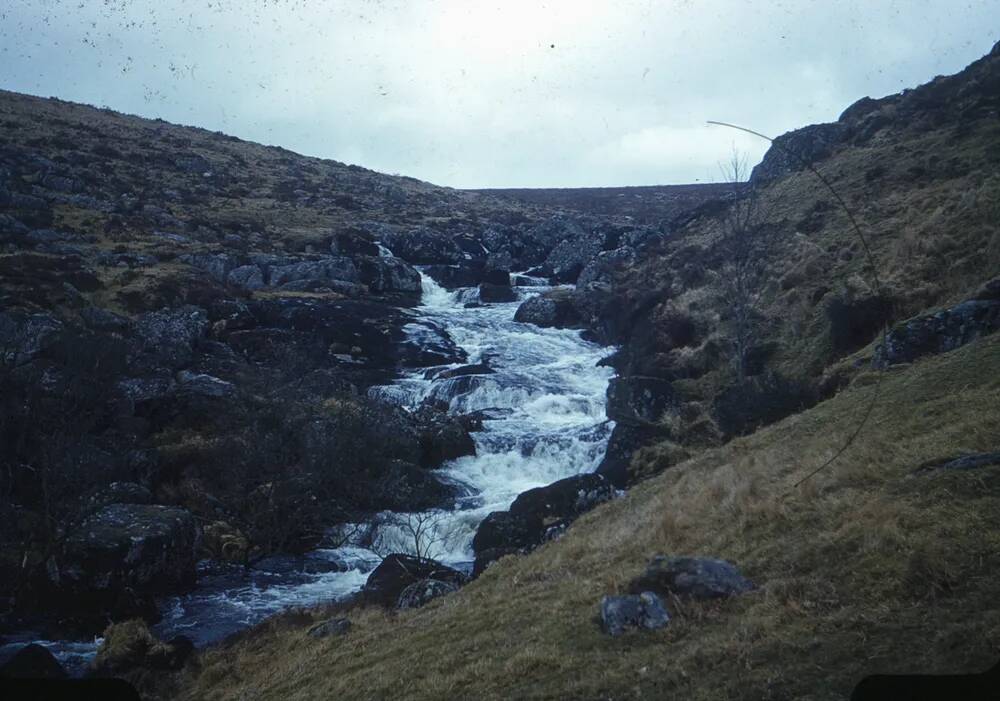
(563, 93)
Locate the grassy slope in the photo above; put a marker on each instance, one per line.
(864, 569)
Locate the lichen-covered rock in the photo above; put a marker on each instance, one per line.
(424, 591)
(122, 554)
(388, 275)
(324, 271)
(166, 339)
(695, 577)
(246, 277)
(639, 401)
(939, 332)
(645, 610)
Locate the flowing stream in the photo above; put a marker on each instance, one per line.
(543, 408)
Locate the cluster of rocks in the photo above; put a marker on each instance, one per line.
(693, 578)
(406, 581)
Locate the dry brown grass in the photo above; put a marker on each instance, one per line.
(866, 568)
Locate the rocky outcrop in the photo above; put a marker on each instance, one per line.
(694, 577)
(645, 610)
(390, 579)
(166, 339)
(941, 331)
(123, 555)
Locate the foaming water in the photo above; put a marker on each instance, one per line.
(551, 423)
(543, 407)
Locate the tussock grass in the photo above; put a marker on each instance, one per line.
(866, 568)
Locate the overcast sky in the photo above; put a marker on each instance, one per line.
(491, 94)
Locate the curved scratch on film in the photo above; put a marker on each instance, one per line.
(877, 286)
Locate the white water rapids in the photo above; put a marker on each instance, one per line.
(545, 405)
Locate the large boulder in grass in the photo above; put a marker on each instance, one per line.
(645, 610)
(693, 577)
(396, 572)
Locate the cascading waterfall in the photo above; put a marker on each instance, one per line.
(543, 407)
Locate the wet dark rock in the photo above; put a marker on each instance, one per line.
(939, 332)
(452, 277)
(480, 368)
(387, 275)
(120, 555)
(639, 401)
(645, 610)
(397, 572)
(429, 344)
(33, 662)
(353, 242)
(695, 577)
(423, 592)
(491, 293)
(555, 309)
(442, 438)
(536, 516)
(49, 236)
(624, 442)
(505, 530)
(565, 498)
(329, 628)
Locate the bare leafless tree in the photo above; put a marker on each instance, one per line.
(425, 534)
(745, 245)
